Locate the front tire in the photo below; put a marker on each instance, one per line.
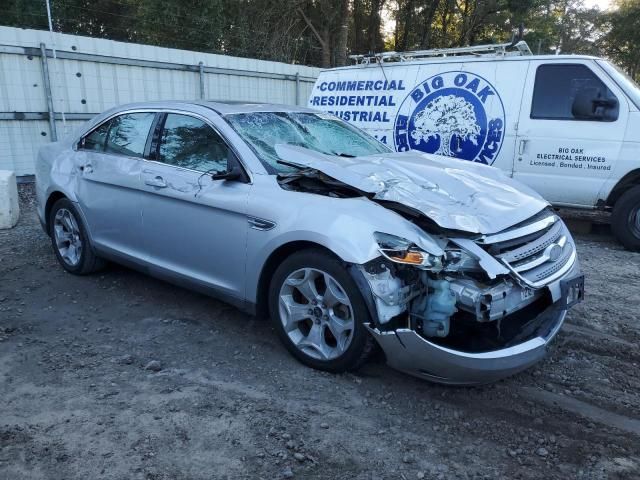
(319, 313)
(625, 220)
(70, 241)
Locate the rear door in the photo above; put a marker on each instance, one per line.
(563, 151)
(194, 227)
(109, 188)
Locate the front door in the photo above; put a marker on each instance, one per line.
(109, 187)
(570, 133)
(194, 227)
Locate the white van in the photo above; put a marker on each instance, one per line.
(566, 125)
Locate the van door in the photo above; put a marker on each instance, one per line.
(570, 132)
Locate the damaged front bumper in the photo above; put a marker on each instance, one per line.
(410, 351)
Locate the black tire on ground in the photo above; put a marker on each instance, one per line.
(625, 221)
(362, 344)
(88, 261)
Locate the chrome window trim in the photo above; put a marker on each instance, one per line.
(165, 110)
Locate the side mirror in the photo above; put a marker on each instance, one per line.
(606, 103)
(233, 173)
(589, 104)
(583, 104)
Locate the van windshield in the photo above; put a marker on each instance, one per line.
(624, 81)
(321, 132)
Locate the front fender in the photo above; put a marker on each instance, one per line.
(345, 226)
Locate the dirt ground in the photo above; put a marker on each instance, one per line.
(120, 376)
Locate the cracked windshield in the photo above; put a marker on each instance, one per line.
(320, 132)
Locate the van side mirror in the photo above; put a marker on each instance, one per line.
(589, 104)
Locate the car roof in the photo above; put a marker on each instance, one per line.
(225, 108)
(220, 107)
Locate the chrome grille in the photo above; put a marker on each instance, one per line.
(536, 251)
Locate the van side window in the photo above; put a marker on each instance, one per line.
(128, 134)
(96, 139)
(572, 92)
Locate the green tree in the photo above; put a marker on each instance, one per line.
(622, 38)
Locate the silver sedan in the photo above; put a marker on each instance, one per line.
(457, 272)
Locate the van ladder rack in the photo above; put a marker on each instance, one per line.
(499, 49)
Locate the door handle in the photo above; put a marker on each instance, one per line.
(156, 181)
(522, 146)
(88, 168)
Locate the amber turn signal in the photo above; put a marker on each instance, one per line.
(411, 257)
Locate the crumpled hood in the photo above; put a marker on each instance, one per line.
(455, 194)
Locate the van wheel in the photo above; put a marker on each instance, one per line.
(70, 241)
(625, 221)
(319, 313)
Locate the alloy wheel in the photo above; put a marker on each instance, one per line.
(67, 237)
(316, 313)
(634, 221)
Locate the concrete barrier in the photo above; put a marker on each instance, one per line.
(9, 209)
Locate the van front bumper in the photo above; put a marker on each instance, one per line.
(411, 353)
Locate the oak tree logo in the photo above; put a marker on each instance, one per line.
(456, 114)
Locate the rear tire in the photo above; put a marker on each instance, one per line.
(319, 313)
(625, 220)
(70, 241)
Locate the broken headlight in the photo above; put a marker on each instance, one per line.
(458, 260)
(400, 250)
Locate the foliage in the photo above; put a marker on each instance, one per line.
(622, 37)
(323, 32)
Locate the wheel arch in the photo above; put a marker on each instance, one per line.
(271, 264)
(51, 200)
(631, 179)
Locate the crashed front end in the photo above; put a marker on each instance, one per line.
(484, 310)
(482, 288)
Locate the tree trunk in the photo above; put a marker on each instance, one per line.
(445, 144)
(428, 16)
(342, 37)
(408, 25)
(326, 48)
(357, 27)
(374, 24)
(324, 40)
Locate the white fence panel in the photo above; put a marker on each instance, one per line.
(89, 75)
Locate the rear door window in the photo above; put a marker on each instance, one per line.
(188, 142)
(556, 88)
(96, 140)
(128, 134)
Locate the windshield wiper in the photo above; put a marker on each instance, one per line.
(344, 155)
